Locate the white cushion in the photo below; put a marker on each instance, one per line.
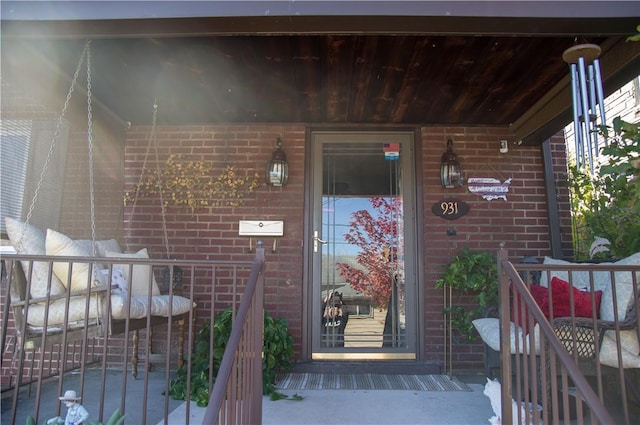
(29, 240)
(579, 279)
(160, 305)
(61, 245)
(139, 282)
(630, 349)
(102, 246)
(139, 308)
(489, 330)
(624, 295)
(624, 290)
(57, 309)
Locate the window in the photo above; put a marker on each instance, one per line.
(15, 138)
(24, 148)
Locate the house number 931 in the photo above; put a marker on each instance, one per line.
(450, 209)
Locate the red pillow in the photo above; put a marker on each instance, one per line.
(561, 306)
(538, 293)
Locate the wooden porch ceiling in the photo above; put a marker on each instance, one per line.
(339, 78)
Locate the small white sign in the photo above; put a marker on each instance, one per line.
(260, 228)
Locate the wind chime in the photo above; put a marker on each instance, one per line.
(588, 103)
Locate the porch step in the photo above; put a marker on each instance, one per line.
(373, 367)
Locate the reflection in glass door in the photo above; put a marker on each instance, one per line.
(362, 275)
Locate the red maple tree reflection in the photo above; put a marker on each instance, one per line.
(377, 237)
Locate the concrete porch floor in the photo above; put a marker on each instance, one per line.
(372, 407)
(388, 407)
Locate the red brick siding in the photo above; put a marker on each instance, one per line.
(211, 233)
(521, 222)
(108, 152)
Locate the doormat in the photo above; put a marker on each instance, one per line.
(368, 381)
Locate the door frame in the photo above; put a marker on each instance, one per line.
(307, 289)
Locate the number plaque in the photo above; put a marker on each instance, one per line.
(450, 209)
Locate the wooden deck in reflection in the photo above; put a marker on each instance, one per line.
(365, 331)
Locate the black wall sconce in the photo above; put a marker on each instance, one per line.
(278, 169)
(450, 170)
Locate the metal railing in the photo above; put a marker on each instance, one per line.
(237, 394)
(554, 373)
(98, 357)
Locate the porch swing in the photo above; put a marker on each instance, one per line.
(63, 295)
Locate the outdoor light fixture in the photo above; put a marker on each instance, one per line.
(450, 170)
(278, 169)
(587, 94)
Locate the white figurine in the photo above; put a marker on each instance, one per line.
(493, 390)
(76, 413)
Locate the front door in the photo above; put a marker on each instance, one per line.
(363, 267)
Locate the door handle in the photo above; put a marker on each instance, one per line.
(317, 240)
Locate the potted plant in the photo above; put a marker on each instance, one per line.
(470, 273)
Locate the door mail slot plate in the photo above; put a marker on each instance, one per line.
(260, 228)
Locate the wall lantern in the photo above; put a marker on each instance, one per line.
(278, 169)
(450, 170)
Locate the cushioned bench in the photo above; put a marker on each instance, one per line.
(609, 314)
(592, 310)
(71, 294)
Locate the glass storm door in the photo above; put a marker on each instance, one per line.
(363, 269)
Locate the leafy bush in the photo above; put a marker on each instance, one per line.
(278, 356)
(470, 273)
(607, 203)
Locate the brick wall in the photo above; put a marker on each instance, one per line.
(521, 222)
(211, 232)
(108, 172)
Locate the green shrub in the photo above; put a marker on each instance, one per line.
(278, 356)
(474, 273)
(606, 203)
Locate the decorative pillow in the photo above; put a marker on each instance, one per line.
(33, 243)
(561, 302)
(624, 295)
(61, 245)
(139, 282)
(538, 293)
(624, 290)
(579, 279)
(489, 330)
(602, 282)
(102, 246)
